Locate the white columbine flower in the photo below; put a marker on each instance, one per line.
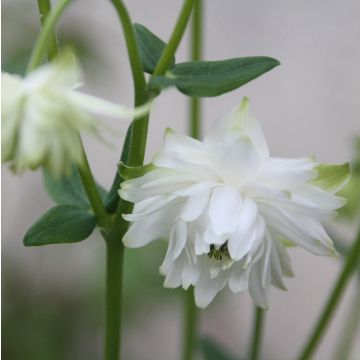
(42, 115)
(229, 210)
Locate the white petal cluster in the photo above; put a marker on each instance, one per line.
(42, 115)
(228, 210)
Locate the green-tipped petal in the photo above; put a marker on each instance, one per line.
(331, 177)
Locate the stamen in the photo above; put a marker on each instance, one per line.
(219, 254)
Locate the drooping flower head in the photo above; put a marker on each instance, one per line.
(42, 115)
(228, 209)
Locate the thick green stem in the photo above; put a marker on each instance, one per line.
(350, 265)
(254, 353)
(190, 325)
(175, 38)
(191, 313)
(46, 34)
(44, 11)
(114, 267)
(133, 154)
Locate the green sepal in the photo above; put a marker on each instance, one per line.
(69, 189)
(213, 78)
(132, 172)
(61, 224)
(150, 47)
(331, 177)
(213, 351)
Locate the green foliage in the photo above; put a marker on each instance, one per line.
(61, 224)
(150, 48)
(69, 189)
(213, 351)
(213, 78)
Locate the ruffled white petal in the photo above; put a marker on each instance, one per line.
(242, 239)
(207, 288)
(225, 203)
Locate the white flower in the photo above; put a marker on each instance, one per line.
(228, 209)
(42, 115)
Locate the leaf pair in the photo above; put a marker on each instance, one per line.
(69, 222)
(198, 78)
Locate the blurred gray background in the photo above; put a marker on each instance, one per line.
(52, 296)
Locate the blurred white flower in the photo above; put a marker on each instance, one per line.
(42, 115)
(229, 209)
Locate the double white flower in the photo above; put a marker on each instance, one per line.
(42, 115)
(228, 209)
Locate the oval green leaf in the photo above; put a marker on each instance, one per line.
(213, 78)
(61, 224)
(69, 189)
(150, 47)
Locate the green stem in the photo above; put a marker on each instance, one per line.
(335, 296)
(191, 313)
(257, 334)
(175, 38)
(92, 192)
(44, 10)
(46, 34)
(351, 326)
(196, 54)
(114, 268)
(190, 323)
(133, 154)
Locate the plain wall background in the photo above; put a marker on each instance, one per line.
(307, 106)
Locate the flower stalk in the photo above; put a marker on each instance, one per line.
(136, 145)
(191, 313)
(52, 46)
(47, 34)
(257, 334)
(350, 265)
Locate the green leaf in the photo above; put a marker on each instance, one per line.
(132, 172)
(150, 48)
(69, 189)
(213, 78)
(61, 224)
(331, 177)
(213, 351)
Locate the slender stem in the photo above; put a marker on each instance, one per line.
(133, 53)
(257, 334)
(335, 296)
(92, 192)
(191, 312)
(351, 326)
(190, 323)
(46, 34)
(44, 10)
(133, 154)
(114, 268)
(196, 54)
(175, 38)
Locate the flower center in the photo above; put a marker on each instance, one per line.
(219, 254)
